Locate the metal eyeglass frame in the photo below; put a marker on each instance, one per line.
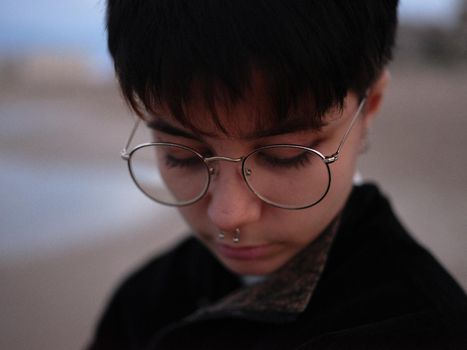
(327, 160)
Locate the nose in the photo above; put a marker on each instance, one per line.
(231, 203)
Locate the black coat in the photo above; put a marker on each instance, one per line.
(379, 290)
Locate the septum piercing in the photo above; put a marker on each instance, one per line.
(236, 236)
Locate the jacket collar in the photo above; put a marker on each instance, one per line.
(284, 295)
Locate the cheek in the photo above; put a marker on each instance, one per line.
(344, 168)
(342, 173)
(195, 216)
(342, 176)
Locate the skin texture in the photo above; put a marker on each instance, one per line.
(269, 236)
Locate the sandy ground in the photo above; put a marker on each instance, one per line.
(57, 275)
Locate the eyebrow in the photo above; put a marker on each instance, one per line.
(167, 128)
(285, 128)
(290, 127)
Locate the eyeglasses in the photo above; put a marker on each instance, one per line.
(286, 176)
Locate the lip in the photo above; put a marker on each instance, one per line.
(244, 253)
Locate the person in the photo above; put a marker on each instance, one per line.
(258, 111)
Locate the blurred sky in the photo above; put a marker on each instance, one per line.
(78, 25)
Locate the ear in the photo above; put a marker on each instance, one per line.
(375, 97)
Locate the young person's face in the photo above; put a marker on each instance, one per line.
(269, 236)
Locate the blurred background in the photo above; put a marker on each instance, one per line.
(71, 221)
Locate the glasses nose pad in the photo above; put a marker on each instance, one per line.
(213, 169)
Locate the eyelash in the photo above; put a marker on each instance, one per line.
(298, 161)
(172, 162)
(301, 160)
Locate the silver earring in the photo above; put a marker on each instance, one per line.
(221, 235)
(236, 237)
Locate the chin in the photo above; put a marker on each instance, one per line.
(248, 260)
(250, 268)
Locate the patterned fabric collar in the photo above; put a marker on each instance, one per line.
(283, 295)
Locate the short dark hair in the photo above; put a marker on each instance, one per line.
(314, 49)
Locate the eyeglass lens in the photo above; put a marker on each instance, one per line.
(284, 176)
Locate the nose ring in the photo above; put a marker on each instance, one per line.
(235, 238)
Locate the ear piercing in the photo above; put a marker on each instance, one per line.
(235, 238)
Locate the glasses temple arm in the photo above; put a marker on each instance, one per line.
(346, 135)
(124, 152)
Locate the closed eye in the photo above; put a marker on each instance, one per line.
(172, 161)
(291, 158)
